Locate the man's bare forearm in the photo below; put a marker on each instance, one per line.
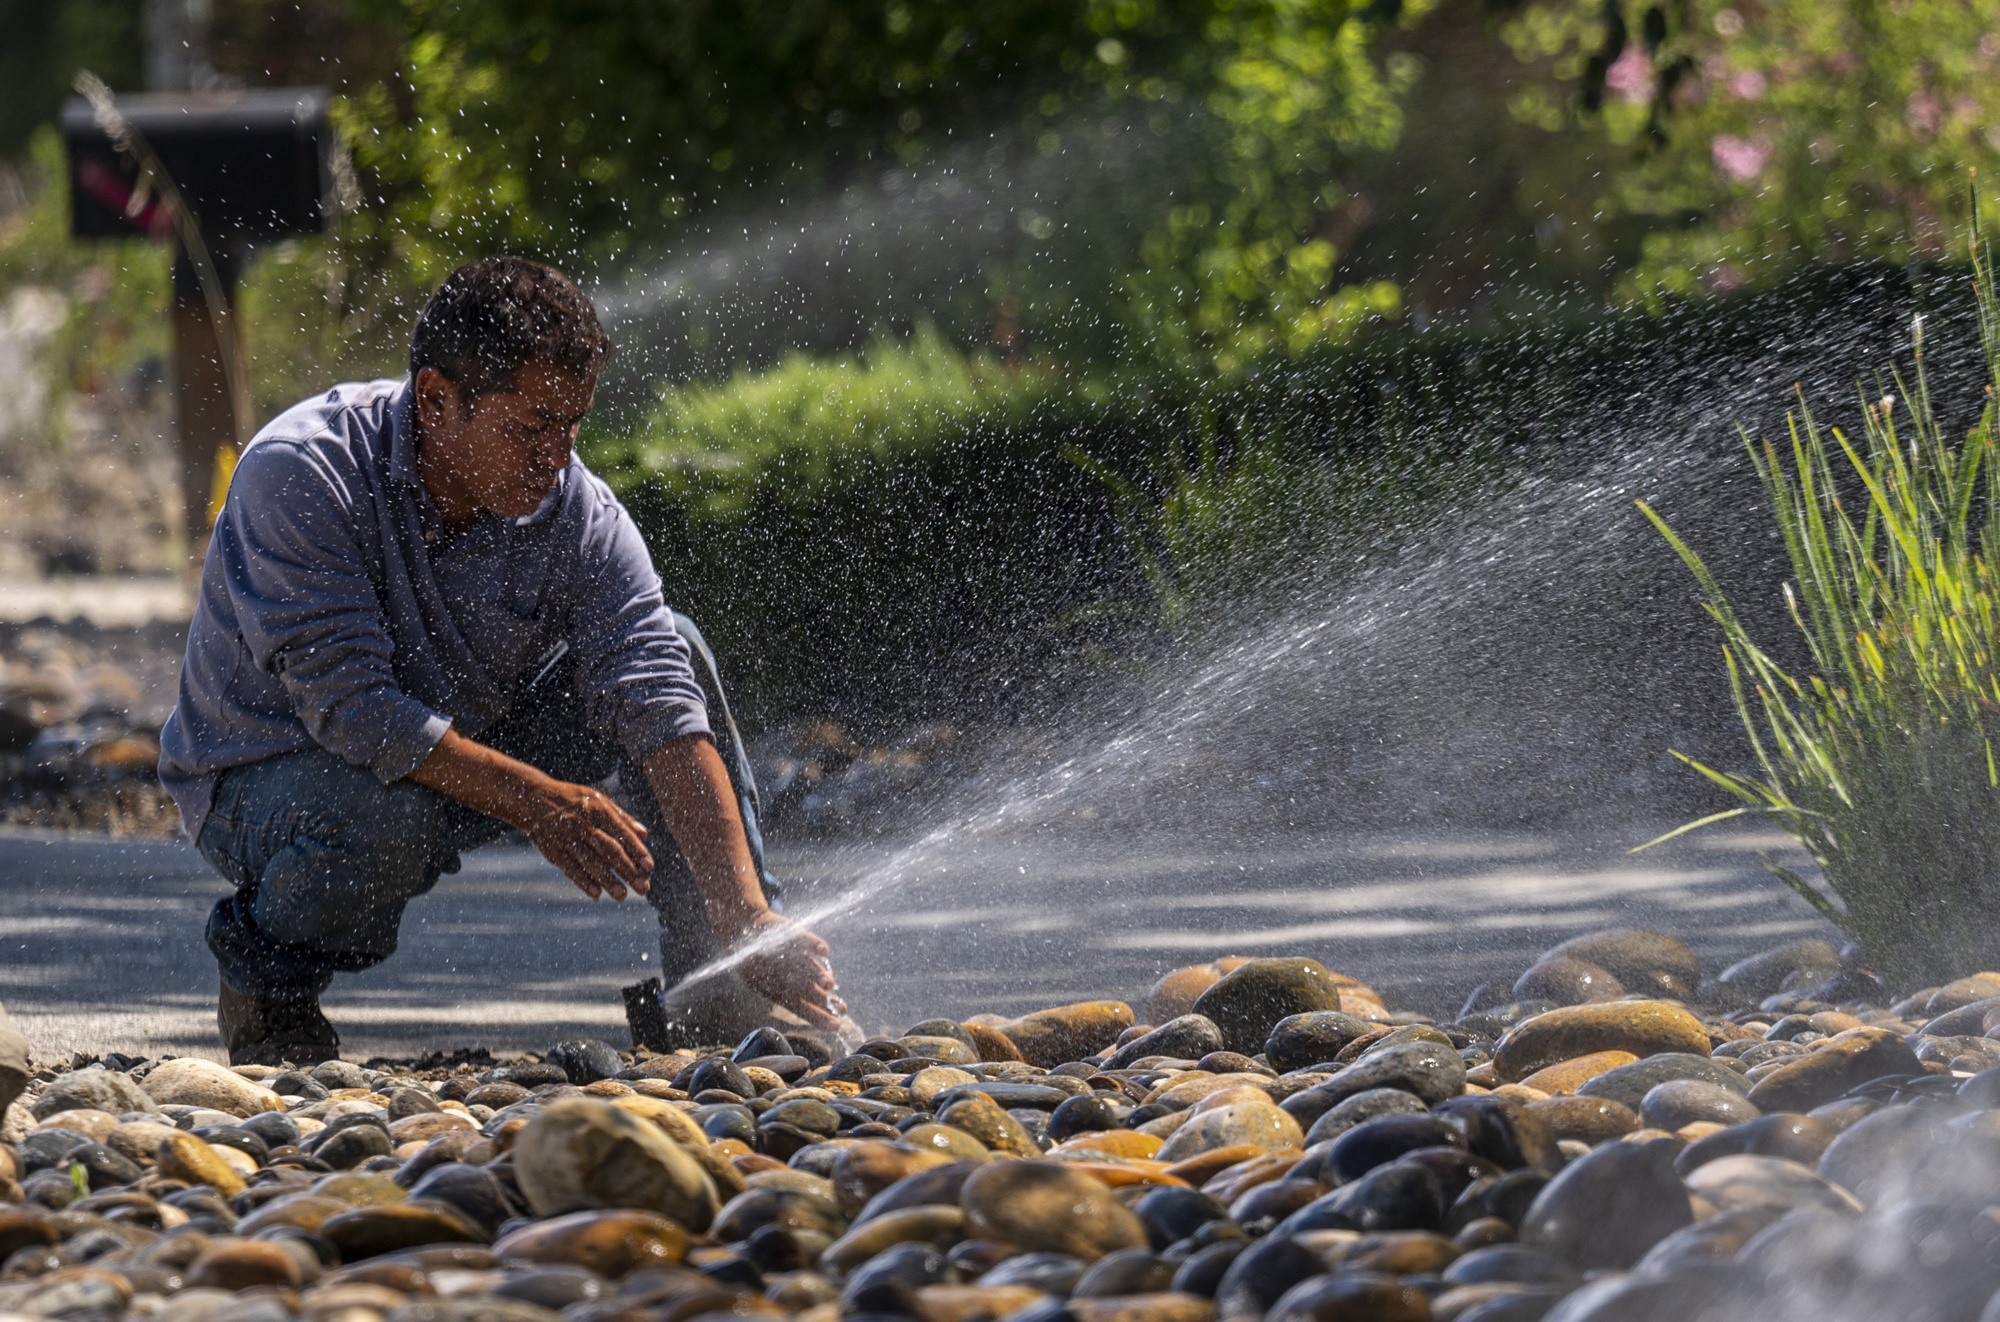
(596, 843)
(693, 790)
(484, 779)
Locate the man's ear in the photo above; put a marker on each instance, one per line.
(439, 404)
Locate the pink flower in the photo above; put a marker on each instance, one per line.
(1747, 85)
(1630, 77)
(1740, 158)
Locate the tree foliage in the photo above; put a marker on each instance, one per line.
(588, 128)
(1766, 133)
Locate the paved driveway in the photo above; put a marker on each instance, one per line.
(100, 940)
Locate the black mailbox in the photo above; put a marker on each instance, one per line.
(251, 164)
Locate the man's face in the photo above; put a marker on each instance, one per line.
(504, 454)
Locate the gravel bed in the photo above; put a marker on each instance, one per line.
(1612, 1136)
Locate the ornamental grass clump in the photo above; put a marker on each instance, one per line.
(1881, 762)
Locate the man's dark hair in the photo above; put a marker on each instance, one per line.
(490, 319)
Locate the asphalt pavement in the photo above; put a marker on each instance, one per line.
(100, 940)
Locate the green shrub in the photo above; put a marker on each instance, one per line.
(1881, 762)
(810, 424)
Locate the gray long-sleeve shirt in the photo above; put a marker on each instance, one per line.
(336, 611)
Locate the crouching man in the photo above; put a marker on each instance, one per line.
(423, 620)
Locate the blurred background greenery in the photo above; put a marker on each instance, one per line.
(874, 264)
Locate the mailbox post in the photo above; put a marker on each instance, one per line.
(248, 166)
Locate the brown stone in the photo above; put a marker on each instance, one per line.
(677, 1125)
(1044, 1207)
(1644, 960)
(608, 1243)
(1569, 1075)
(866, 1169)
(991, 1043)
(939, 1224)
(25, 1228)
(583, 1153)
(1964, 991)
(239, 1264)
(1397, 1252)
(427, 1126)
(1843, 1061)
(1175, 993)
(189, 1081)
(984, 1119)
(1250, 1000)
(1245, 1123)
(973, 1303)
(1585, 1119)
(1644, 1028)
(307, 1211)
(1168, 1306)
(367, 1232)
(1567, 981)
(185, 1157)
(92, 1124)
(139, 1140)
(1069, 1032)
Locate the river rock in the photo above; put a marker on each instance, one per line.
(240, 1264)
(1794, 1137)
(1644, 1028)
(1567, 981)
(1042, 1206)
(1169, 1306)
(1680, 1102)
(1501, 1130)
(1248, 1002)
(1261, 1273)
(188, 1081)
(1629, 1084)
(472, 1190)
(582, 1153)
(1728, 1183)
(1569, 1075)
(1843, 1061)
(1053, 1037)
(866, 1169)
(1400, 1196)
(349, 1147)
(1381, 1141)
(1427, 1070)
(95, 1090)
(1961, 992)
(1806, 962)
(185, 1157)
(367, 1232)
(1896, 1151)
(585, 1059)
(612, 1244)
(1590, 1120)
(992, 1044)
(1345, 1114)
(1257, 1124)
(1644, 960)
(139, 1139)
(1188, 1037)
(1299, 1040)
(1607, 1208)
(1375, 1296)
(938, 1225)
(984, 1119)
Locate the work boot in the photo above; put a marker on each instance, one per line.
(274, 1030)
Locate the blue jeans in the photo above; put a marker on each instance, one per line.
(324, 856)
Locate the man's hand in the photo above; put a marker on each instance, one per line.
(790, 966)
(596, 843)
(580, 830)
